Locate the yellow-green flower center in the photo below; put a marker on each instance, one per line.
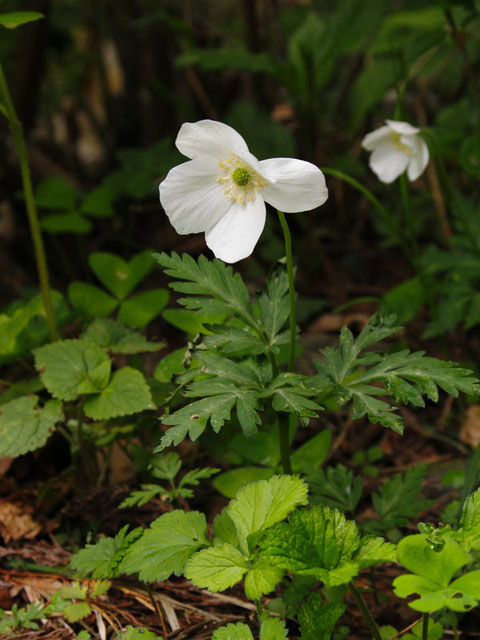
(399, 145)
(241, 176)
(240, 182)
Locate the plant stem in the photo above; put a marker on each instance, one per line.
(407, 208)
(284, 424)
(365, 611)
(16, 126)
(425, 626)
(291, 289)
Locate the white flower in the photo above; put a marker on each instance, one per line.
(222, 190)
(395, 148)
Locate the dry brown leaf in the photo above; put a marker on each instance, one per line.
(470, 431)
(15, 523)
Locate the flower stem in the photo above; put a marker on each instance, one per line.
(8, 110)
(425, 626)
(365, 611)
(284, 424)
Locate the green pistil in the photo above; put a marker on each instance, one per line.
(241, 176)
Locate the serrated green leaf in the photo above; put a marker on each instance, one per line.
(233, 341)
(141, 309)
(336, 488)
(102, 559)
(99, 588)
(90, 300)
(166, 546)
(14, 19)
(69, 368)
(77, 611)
(319, 542)
(470, 521)
(224, 530)
(73, 592)
(119, 276)
(226, 368)
(217, 568)
(136, 633)
(261, 580)
(273, 629)
(231, 631)
(126, 393)
(317, 618)
(206, 280)
(117, 338)
(274, 307)
(261, 504)
(374, 551)
(25, 427)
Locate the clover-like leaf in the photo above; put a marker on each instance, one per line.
(126, 393)
(166, 546)
(117, 338)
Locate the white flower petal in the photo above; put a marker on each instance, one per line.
(192, 198)
(402, 127)
(234, 236)
(375, 138)
(419, 160)
(388, 163)
(294, 185)
(208, 138)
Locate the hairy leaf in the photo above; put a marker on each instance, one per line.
(216, 568)
(317, 618)
(126, 393)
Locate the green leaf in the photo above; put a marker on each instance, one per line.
(136, 633)
(205, 280)
(311, 453)
(399, 500)
(318, 619)
(90, 300)
(404, 300)
(217, 568)
(16, 18)
(274, 307)
(99, 201)
(470, 521)
(233, 341)
(100, 588)
(166, 465)
(24, 426)
(102, 559)
(119, 276)
(273, 629)
(72, 222)
(77, 611)
(143, 308)
(55, 193)
(166, 546)
(374, 551)
(438, 567)
(117, 338)
(261, 504)
(261, 580)
(290, 394)
(229, 482)
(336, 488)
(69, 368)
(126, 393)
(189, 321)
(224, 530)
(237, 631)
(319, 542)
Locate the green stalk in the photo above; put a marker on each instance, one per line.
(9, 111)
(365, 611)
(425, 626)
(407, 208)
(284, 425)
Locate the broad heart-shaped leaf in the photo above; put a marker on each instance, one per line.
(319, 542)
(117, 338)
(99, 201)
(231, 631)
(318, 619)
(24, 426)
(101, 560)
(166, 546)
(261, 504)
(16, 18)
(91, 301)
(470, 521)
(126, 393)
(262, 580)
(433, 572)
(70, 368)
(216, 568)
(141, 309)
(119, 276)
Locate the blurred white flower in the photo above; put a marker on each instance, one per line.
(222, 190)
(395, 148)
